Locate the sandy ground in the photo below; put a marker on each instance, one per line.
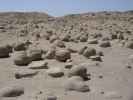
(111, 79)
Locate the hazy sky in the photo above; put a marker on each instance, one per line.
(61, 7)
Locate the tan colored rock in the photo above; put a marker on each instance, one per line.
(89, 52)
(25, 73)
(35, 54)
(53, 38)
(38, 65)
(21, 58)
(59, 43)
(62, 55)
(55, 72)
(105, 44)
(92, 41)
(76, 83)
(5, 50)
(11, 91)
(78, 70)
(19, 46)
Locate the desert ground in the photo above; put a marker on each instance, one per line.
(74, 57)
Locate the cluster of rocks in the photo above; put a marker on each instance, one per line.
(91, 53)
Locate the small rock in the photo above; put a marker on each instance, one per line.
(38, 65)
(76, 83)
(81, 51)
(129, 44)
(83, 38)
(92, 41)
(114, 36)
(35, 54)
(55, 72)
(53, 38)
(66, 38)
(68, 65)
(5, 50)
(50, 54)
(25, 73)
(96, 58)
(59, 43)
(79, 70)
(62, 55)
(72, 50)
(89, 52)
(105, 44)
(19, 46)
(11, 91)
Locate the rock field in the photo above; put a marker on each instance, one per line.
(74, 57)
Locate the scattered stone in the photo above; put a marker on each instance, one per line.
(19, 46)
(83, 38)
(55, 72)
(35, 54)
(96, 58)
(11, 91)
(62, 55)
(25, 73)
(81, 51)
(100, 53)
(72, 50)
(53, 38)
(79, 70)
(20, 58)
(5, 50)
(89, 52)
(92, 41)
(59, 43)
(106, 38)
(69, 65)
(76, 83)
(38, 65)
(129, 45)
(50, 54)
(66, 38)
(105, 44)
(114, 36)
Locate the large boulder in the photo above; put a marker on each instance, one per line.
(62, 55)
(76, 83)
(5, 50)
(21, 58)
(11, 91)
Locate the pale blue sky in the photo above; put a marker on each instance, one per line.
(63, 7)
